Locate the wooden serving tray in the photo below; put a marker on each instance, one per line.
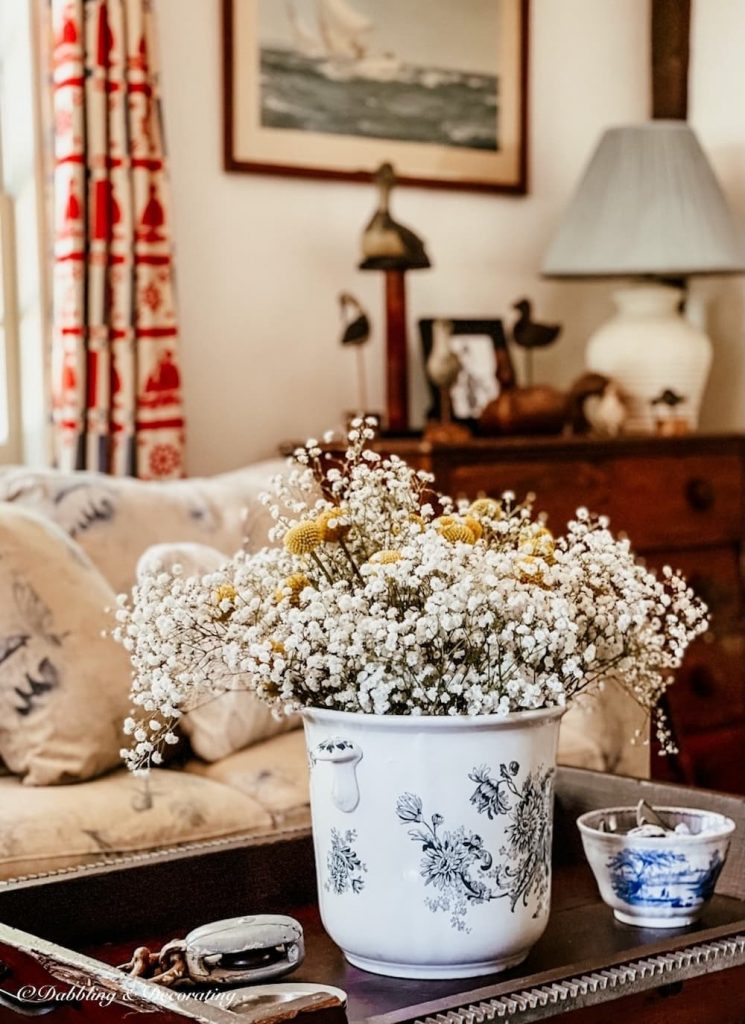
(68, 930)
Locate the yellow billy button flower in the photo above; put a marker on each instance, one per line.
(529, 569)
(303, 538)
(386, 557)
(488, 507)
(225, 592)
(457, 532)
(540, 543)
(296, 584)
(474, 526)
(330, 527)
(417, 521)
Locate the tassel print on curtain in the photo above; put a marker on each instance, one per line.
(116, 402)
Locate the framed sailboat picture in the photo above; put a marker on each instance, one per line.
(332, 88)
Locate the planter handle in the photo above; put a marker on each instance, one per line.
(343, 756)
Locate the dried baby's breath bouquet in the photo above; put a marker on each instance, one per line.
(383, 598)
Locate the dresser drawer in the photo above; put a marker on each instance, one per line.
(709, 690)
(666, 502)
(716, 759)
(560, 486)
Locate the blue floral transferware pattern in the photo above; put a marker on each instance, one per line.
(662, 878)
(456, 862)
(344, 868)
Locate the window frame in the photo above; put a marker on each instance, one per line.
(11, 445)
(25, 234)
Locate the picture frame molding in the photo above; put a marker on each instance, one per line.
(233, 164)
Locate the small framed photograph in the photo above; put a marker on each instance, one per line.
(334, 88)
(485, 365)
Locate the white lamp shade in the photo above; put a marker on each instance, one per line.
(648, 203)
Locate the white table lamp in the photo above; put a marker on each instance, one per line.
(649, 208)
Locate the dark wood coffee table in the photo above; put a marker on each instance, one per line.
(67, 931)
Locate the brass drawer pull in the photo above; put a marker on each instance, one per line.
(701, 682)
(700, 494)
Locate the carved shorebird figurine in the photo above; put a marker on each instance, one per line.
(386, 244)
(355, 321)
(530, 335)
(356, 331)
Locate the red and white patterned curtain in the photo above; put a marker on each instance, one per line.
(116, 402)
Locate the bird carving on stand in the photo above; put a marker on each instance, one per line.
(670, 420)
(387, 245)
(443, 367)
(356, 331)
(355, 321)
(531, 335)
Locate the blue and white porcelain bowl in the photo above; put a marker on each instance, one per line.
(656, 881)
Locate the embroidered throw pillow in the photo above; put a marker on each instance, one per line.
(234, 720)
(63, 685)
(115, 519)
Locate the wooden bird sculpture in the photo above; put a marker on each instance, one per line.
(443, 367)
(668, 398)
(356, 331)
(596, 406)
(669, 419)
(355, 321)
(530, 335)
(387, 245)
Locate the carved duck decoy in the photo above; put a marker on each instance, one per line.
(669, 398)
(528, 334)
(386, 244)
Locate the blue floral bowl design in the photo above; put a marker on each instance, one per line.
(656, 881)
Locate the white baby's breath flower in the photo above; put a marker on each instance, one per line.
(396, 615)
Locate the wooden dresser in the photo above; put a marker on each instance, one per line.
(681, 502)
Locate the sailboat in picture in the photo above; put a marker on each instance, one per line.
(305, 41)
(342, 45)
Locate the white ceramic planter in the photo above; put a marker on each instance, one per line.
(433, 837)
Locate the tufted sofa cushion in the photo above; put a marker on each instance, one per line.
(273, 773)
(115, 519)
(49, 828)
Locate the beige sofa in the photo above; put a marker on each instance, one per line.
(255, 790)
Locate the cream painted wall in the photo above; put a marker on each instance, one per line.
(717, 112)
(261, 259)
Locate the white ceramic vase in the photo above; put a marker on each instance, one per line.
(433, 837)
(649, 348)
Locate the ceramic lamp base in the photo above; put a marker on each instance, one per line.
(432, 973)
(651, 351)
